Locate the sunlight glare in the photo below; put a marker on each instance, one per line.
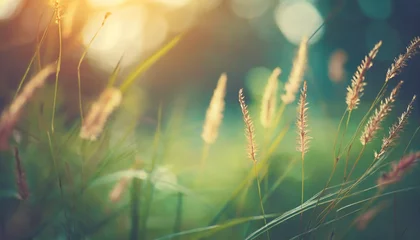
(249, 9)
(121, 35)
(174, 3)
(106, 3)
(8, 8)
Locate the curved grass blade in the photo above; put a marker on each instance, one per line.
(149, 62)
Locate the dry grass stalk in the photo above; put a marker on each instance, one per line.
(398, 170)
(355, 90)
(374, 123)
(401, 61)
(249, 127)
(11, 115)
(298, 71)
(99, 113)
(20, 177)
(269, 101)
(214, 114)
(395, 130)
(301, 123)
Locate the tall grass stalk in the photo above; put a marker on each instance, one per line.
(37, 51)
(135, 209)
(149, 188)
(252, 148)
(81, 60)
(57, 73)
(178, 216)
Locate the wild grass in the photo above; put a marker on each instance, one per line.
(83, 181)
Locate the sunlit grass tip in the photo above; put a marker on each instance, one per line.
(214, 114)
(249, 128)
(355, 90)
(269, 100)
(99, 113)
(395, 130)
(302, 122)
(11, 115)
(374, 123)
(296, 75)
(401, 61)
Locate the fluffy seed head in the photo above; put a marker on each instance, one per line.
(301, 123)
(374, 123)
(296, 75)
(249, 128)
(355, 90)
(214, 114)
(269, 101)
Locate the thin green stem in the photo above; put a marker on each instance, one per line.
(178, 216)
(355, 163)
(411, 139)
(58, 69)
(135, 209)
(348, 152)
(337, 133)
(259, 195)
(80, 64)
(149, 62)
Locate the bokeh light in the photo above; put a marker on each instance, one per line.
(336, 70)
(106, 3)
(208, 5)
(297, 19)
(173, 3)
(155, 32)
(249, 9)
(8, 8)
(392, 44)
(182, 19)
(376, 9)
(121, 35)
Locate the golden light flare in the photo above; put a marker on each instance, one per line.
(121, 35)
(8, 8)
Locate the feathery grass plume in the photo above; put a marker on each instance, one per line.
(214, 114)
(252, 152)
(401, 61)
(20, 177)
(298, 71)
(303, 138)
(374, 123)
(269, 101)
(398, 170)
(57, 13)
(395, 130)
(99, 113)
(249, 127)
(301, 122)
(10, 116)
(355, 91)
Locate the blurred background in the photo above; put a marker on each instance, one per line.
(246, 39)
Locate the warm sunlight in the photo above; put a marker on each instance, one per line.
(8, 8)
(106, 3)
(122, 34)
